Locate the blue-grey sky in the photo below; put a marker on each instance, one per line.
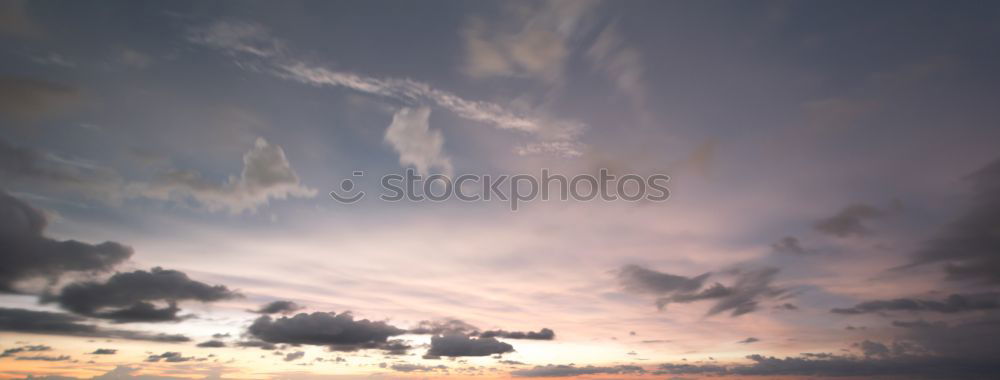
(165, 170)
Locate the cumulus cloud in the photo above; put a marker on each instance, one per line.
(410, 136)
(955, 303)
(266, 175)
(337, 331)
(849, 221)
(212, 344)
(969, 246)
(43, 322)
(461, 345)
(572, 370)
(126, 297)
(169, 357)
(29, 254)
(543, 334)
(282, 307)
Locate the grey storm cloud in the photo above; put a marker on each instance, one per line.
(126, 297)
(561, 370)
(742, 297)
(279, 307)
(212, 344)
(169, 357)
(29, 254)
(337, 331)
(266, 175)
(969, 247)
(955, 303)
(49, 323)
(461, 345)
(850, 221)
(543, 334)
(39, 170)
(25, 99)
(17, 350)
(104, 351)
(639, 279)
(444, 327)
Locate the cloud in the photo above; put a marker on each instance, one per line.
(406, 367)
(44, 358)
(23, 167)
(789, 245)
(126, 297)
(410, 136)
(444, 327)
(169, 357)
(620, 62)
(134, 59)
(337, 331)
(740, 298)
(869, 348)
(28, 254)
(256, 343)
(17, 350)
(850, 221)
(43, 322)
(212, 344)
(639, 279)
(543, 334)
(255, 41)
(293, 356)
(14, 20)
(266, 175)
(968, 247)
(279, 307)
(955, 303)
(104, 351)
(461, 345)
(530, 40)
(572, 370)
(24, 99)
(749, 340)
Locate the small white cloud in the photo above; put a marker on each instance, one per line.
(410, 136)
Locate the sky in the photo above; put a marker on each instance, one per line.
(831, 174)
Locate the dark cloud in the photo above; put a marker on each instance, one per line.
(406, 367)
(642, 280)
(220, 335)
(40, 171)
(279, 307)
(787, 306)
(461, 345)
(955, 303)
(169, 357)
(395, 347)
(839, 366)
(28, 254)
(212, 344)
(789, 245)
(104, 351)
(850, 221)
(256, 343)
(125, 297)
(749, 340)
(740, 298)
(44, 358)
(444, 327)
(17, 350)
(572, 370)
(543, 334)
(292, 356)
(969, 247)
(43, 322)
(870, 348)
(338, 331)
(25, 99)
